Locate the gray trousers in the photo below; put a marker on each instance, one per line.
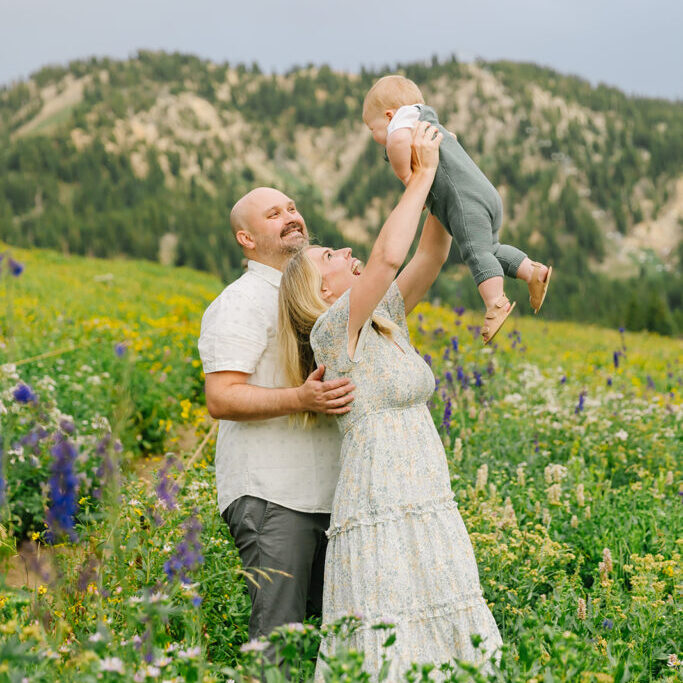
(269, 536)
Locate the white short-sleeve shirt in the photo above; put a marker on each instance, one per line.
(270, 459)
(406, 116)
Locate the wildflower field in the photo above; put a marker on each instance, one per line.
(564, 445)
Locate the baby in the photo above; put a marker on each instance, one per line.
(461, 197)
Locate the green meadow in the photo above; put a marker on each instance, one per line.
(563, 441)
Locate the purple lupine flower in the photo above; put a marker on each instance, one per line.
(447, 413)
(615, 358)
(33, 438)
(650, 382)
(167, 489)
(454, 344)
(608, 624)
(609, 381)
(490, 369)
(462, 377)
(446, 353)
(15, 267)
(579, 405)
(67, 426)
(438, 331)
(63, 485)
(437, 381)
(420, 317)
(516, 337)
(459, 310)
(449, 377)
(120, 349)
(187, 556)
(475, 330)
(196, 600)
(563, 379)
(477, 378)
(428, 359)
(24, 394)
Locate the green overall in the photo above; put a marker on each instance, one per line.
(470, 208)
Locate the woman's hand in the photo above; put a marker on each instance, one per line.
(425, 150)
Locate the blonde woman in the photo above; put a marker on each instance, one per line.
(398, 550)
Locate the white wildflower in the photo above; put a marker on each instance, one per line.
(581, 609)
(554, 493)
(113, 664)
(622, 435)
(581, 500)
(607, 559)
(509, 517)
(457, 450)
(554, 473)
(254, 646)
(521, 475)
(513, 398)
(482, 477)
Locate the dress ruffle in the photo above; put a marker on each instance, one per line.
(434, 639)
(392, 513)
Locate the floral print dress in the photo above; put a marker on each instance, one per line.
(398, 549)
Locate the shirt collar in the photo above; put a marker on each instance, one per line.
(268, 273)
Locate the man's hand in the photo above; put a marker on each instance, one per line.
(332, 397)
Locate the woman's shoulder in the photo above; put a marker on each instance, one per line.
(335, 316)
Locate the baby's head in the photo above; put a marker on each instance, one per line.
(383, 99)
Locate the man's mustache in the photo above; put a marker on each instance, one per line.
(293, 225)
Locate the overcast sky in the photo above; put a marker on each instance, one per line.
(634, 45)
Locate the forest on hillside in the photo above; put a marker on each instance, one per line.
(567, 180)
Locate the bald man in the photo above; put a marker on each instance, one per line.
(275, 482)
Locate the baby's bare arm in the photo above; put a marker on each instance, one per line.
(398, 151)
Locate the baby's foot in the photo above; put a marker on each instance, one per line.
(495, 317)
(538, 284)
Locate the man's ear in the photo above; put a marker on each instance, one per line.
(244, 239)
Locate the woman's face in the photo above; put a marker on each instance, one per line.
(338, 268)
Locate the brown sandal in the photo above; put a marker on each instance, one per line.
(495, 317)
(537, 289)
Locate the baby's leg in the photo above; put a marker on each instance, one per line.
(473, 237)
(510, 259)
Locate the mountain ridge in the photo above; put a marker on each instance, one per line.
(109, 156)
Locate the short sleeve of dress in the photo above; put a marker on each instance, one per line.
(393, 307)
(329, 337)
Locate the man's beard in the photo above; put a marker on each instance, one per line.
(289, 249)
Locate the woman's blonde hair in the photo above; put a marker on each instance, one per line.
(300, 304)
(391, 92)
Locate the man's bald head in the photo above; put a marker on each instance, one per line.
(258, 198)
(267, 225)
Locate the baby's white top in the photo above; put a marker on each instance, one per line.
(406, 116)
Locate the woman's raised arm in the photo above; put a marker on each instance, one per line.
(421, 271)
(397, 234)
